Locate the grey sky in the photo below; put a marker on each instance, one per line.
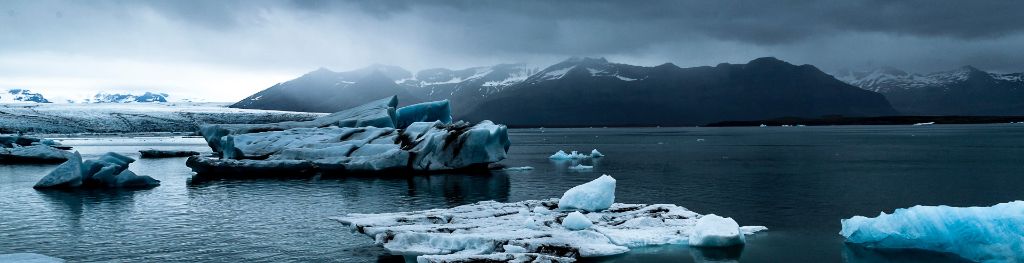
(225, 50)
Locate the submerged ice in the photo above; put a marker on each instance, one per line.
(526, 231)
(984, 234)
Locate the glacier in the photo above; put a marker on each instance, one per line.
(983, 234)
(372, 137)
(526, 231)
(108, 171)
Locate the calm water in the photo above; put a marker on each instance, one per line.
(798, 181)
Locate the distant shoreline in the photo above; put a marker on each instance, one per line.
(885, 120)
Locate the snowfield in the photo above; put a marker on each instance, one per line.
(131, 117)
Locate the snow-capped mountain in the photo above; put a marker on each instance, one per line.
(126, 98)
(588, 91)
(21, 96)
(963, 91)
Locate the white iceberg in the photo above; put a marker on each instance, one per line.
(526, 231)
(596, 154)
(561, 155)
(576, 221)
(983, 234)
(109, 171)
(716, 231)
(29, 258)
(595, 195)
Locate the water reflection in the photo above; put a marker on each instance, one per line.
(74, 203)
(726, 254)
(855, 253)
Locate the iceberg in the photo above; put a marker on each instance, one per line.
(370, 138)
(152, 153)
(29, 258)
(109, 171)
(561, 155)
(423, 112)
(24, 149)
(983, 234)
(526, 231)
(716, 231)
(595, 195)
(596, 154)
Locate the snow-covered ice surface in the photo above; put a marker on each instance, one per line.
(984, 234)
(522, 231)
(28, 258)
(130, 117)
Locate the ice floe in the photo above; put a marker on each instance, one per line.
(109, 171)
(561, 155)
(152, 153)
(580, 167)
(984, 234)
(368, 138)
(24, 149)
(530, 230)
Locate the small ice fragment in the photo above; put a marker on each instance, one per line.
(596, 154)
(541, 210)
(581, 167)
(513, 249)
(595, 195)
(700, 139)
(716, 231)
(576, 221)
(517, 169)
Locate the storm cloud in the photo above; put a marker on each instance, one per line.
(228, 49)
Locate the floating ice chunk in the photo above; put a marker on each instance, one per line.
(716, 231)
(29, 258)
(153, 153)
(595, 154)
(424, 112)
(517, 169)
(68, 174)
(33, 154)
(561, 155)
(984, 234)
(496, 257)
(576, 221)
(595, 195)
(581, 167)
(109, 171)
(924, 123)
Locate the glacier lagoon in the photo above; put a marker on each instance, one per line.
(798, 181)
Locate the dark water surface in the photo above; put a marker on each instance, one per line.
(797, 181)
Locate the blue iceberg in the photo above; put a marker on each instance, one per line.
(424, 112)
(984, 234)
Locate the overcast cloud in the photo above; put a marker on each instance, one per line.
(226, 50)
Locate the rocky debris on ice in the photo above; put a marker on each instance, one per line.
(24, 149)
(109, 171)
(527, 230)
(153, 153)
(982, 234)
(29, 258)
(368, 138)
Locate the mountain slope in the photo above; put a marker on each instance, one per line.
(327, 91)
(964, 91)
(592, 92)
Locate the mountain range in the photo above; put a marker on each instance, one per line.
(27, 96)
(588, 92)
(963, 91)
